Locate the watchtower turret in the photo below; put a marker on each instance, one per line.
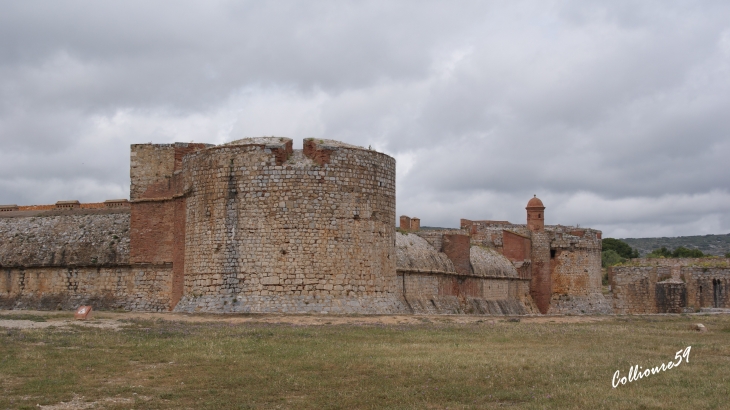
(535, 215)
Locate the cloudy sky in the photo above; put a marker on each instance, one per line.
(616, 114)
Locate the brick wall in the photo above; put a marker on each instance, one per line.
(152, 232)
(457, 249)
(516, 247)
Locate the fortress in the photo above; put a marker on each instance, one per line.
(256, 226)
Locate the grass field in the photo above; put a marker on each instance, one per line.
(427, 363)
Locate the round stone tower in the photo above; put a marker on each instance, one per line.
(535, 215)
(271, 229)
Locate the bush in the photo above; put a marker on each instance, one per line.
(620, 247)
(610, 258)
(680, 252)
(683, 252)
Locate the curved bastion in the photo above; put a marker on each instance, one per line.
(272, 229)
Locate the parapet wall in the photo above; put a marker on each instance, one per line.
(272, 229)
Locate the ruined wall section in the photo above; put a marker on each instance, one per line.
(670, 285)
(491, 233)
(575, 270)
(633, 289)
(268, 232)
(708, 287)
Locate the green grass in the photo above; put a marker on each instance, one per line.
(163, 364)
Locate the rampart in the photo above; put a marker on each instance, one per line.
(256, 226)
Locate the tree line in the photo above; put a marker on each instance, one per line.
(616, 251)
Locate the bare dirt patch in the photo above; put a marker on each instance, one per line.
(78, 402)
(113, 320)
(113, 324)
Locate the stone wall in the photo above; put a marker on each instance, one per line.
(575, 265)
(153, 164)
(633, 289)
(671, 296)
(541, 283)
(60, 259)
(73, 237)
(271, 229)
(670, 285)
(431, 283)
(707, 286)
(437, 293)
(145, 288)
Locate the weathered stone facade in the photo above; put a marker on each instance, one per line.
(140, 287)
(670, 285)
(256, 226)
(272, 229)
(460, 278)
(62, 258)
(562, 262)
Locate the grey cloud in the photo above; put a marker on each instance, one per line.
(590, 105)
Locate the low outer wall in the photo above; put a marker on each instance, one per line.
(145, 288)
(271, 230)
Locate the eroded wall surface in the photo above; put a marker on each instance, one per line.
(64, 238)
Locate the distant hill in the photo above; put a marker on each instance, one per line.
(709, 244)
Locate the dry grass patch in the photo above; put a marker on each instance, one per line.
(160, 364)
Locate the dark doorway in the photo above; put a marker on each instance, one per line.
(717, 292)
